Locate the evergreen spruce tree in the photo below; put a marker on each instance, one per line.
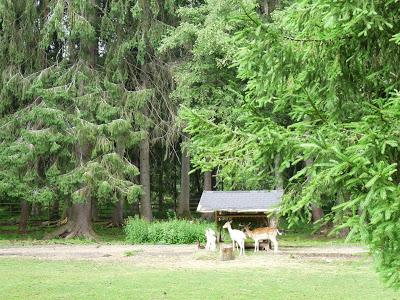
(21, 172)
(82, 90)
(321, 86)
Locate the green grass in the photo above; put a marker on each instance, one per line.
(304, 239)
(308, 239)
(36, 279)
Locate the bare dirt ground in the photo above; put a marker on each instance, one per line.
(184, 256)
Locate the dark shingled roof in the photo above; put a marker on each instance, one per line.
(240, 201)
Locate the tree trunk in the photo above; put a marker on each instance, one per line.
(23, 220)
(273, 220)
(160, 189)
(197, 179)
(78, 225)
(145, 201)
(144, 147)
(117, 219)
(268, 6)
(316, 211)
(208, 187)
(184, 199)
(175, 192)
(35, 211)
(95, 211)
(208, 181)
(67, 212)
(134, 208)
(278, 175)
(55, 211)
(342, 197)
(80, 222)
(81, 225)
(160, 204)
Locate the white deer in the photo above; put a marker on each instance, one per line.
(263, 233)
(210, 235)
(236, 236)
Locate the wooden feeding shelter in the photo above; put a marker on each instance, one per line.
(240, 205)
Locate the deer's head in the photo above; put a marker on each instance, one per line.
(247, 228)
(227, 224)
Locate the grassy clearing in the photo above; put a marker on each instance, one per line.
(35, 279)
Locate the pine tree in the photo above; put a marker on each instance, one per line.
(20, 56)
(83, 89)
(77, 121)
(320, 86)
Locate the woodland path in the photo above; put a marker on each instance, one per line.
(185, 256)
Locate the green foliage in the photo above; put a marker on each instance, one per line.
(320, 85)
(77, 80)
(309, 92)
(209, 87)
(173, 231)
(137, 230)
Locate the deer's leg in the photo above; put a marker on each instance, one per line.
(275, 242)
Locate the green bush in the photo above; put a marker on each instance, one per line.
(136, 231)
(156, 233)
(165, 232)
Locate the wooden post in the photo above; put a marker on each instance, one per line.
(219, 228)
(227, 252)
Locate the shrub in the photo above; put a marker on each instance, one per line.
(165, 232)
(136, 231)
(156, 233)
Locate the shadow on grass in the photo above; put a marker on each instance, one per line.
(9, 235)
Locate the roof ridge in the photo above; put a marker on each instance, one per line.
(254, 200)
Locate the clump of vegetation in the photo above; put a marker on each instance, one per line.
(137, 231)
(173, 231)
(132, 252)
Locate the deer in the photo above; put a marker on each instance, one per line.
(263, 233)
(210, 235)
(236, 236)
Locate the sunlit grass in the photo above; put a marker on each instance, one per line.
(37, 279)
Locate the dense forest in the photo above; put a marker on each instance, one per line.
(139, 105)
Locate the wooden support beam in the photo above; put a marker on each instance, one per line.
(218, 227)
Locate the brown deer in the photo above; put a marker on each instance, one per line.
(263, 233)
